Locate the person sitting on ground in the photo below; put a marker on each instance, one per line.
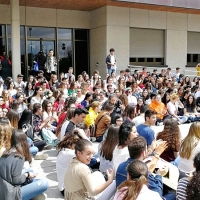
(12, 178)
(5, 134)
(190, 109)
(79, 117)
(93, 113)
(172, 108)
(136, 184)
(138, 151)
(65, 155)
(103, 121)
(171, 134)
(189, 148)
(159, 107)
(106, 148)
(145, 129)
(127, 131)
(188, 187)
(83, 183)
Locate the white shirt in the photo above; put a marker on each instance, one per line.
(104, 164)
(119, 156)
(63, 159)
(172, 108)
(132, 100)
(145, 193)
(79, 99)
(52, 65)
(186, 165)
(63, 129)
(197, 94)
(112, 59)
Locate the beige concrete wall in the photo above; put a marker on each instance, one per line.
(32, 16)
(176, 48)
(98, 49)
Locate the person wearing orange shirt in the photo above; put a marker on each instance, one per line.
(160, 108)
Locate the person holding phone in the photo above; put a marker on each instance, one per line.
(14, 184)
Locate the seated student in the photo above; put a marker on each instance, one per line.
(172, 108)
(190, 109)
(188, 187)
(5, 134)
(171, 134)
(136, 184)
(65, 155)
(138, 151)
(103, 121)
(127, 131)
(106, 148)
(11, 176)
(190, 146)
(159, 107)
(145, 129)
(80, 183)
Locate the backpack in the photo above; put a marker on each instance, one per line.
(93, 127)
(49, 137)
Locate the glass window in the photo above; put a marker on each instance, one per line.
(195, 58)
(65, 34)
(2, 30)
(64, 55)
(40, 32)
(81, 34)
(2, 46)
(9, 30)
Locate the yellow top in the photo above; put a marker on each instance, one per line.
(90, 118)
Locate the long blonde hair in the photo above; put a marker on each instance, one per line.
(188, 143)
(138, 173)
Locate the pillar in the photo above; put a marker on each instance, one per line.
(15, 35)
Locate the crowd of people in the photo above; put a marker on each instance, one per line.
(117, 112)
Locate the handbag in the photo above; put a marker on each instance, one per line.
(93, 127)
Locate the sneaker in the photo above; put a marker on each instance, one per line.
(42, 196)
(41, 157)
(48, 147)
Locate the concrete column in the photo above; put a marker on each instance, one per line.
(15, 35)
(176, 49)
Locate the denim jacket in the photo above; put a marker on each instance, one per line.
(154, 183)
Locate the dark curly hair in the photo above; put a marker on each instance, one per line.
(193, 187)
(171, 134)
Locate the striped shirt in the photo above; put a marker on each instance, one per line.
(181, 190)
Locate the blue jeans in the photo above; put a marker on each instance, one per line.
(193, 119)
(33, 149)
(34, 189)
(183, 119)
(111, 70)
(176, 161)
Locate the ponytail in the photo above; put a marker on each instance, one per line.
(132, 188)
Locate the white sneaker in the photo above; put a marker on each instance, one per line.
(41, 157)
(42, 196)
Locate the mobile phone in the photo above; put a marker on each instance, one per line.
(24, 126)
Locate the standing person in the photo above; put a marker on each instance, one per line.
(51, 63)
(111, 62)
(6, 68)
(83, 184)
(145, 129)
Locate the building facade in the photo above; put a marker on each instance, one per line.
(141, 35)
